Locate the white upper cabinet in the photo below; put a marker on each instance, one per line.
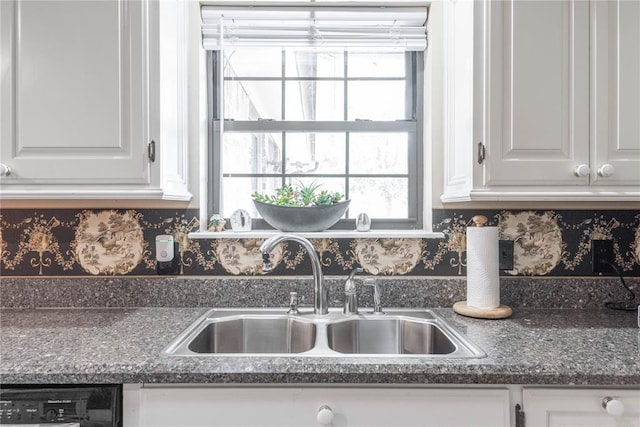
(556, 101)
(80, 99)
(615, 93)
(537, 114)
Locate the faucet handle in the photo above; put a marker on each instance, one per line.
(377, 304)
(293, 303)
(350, 294)
(350, 284)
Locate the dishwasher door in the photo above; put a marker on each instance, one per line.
(61, 405)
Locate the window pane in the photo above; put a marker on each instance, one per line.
(378, 153)
(252, 153)
(314, 64)
(237, 193)
(377, 100)
(252, 100)
(316, 153)
(376, 65)
(323, 87)
(242, 63)
(313, 100)
(379, 197)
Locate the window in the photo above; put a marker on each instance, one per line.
(349, 119)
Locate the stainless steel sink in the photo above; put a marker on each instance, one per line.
(245, 332)
(385, 335)
(267, 332)
(255, 334)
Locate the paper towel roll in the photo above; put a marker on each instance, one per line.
(483, 279)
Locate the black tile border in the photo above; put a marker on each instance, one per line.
(438, 257)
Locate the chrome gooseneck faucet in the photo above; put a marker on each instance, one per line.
(320, 292)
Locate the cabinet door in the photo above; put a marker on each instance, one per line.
(536, 86)
(579, 408)
(74, 93)
(298, 407)
(615, 93)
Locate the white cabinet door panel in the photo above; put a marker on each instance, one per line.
(616, 91)
(77, 91)
(298, 407)
(578, 408)
(537, 121)
(556, 101)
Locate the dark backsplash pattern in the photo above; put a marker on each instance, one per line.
(56, 242)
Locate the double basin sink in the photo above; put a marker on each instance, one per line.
(264, 332)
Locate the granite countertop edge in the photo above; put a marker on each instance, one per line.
(321, 379)
(534, 347)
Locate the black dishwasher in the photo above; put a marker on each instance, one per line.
(60, 405)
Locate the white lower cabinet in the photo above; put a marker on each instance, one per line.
(355, 406)
(315, 406)
(552, 407)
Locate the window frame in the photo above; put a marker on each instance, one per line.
(414, 127)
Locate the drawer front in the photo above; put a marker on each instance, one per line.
(253, 406)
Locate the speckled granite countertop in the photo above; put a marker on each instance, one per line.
(534, 346)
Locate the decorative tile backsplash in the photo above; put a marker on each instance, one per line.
(55, 242)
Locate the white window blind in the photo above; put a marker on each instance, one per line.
(375, 26)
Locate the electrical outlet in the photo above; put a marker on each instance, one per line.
(602, 256)
(505, 254)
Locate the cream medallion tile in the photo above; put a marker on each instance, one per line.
(538, 244)
(109, 242)
(243, 256)
(388, 256)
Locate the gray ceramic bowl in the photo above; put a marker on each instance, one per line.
(308, 218)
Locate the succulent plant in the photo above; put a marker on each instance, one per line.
(299, 195)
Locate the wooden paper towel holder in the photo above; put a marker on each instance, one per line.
(461, 307)
(500, 312)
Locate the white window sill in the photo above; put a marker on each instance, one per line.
(329, 234)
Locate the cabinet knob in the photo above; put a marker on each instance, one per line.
(613, 406)
(581, 171)
(325, 415)
(4, 170)
(606, 170)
